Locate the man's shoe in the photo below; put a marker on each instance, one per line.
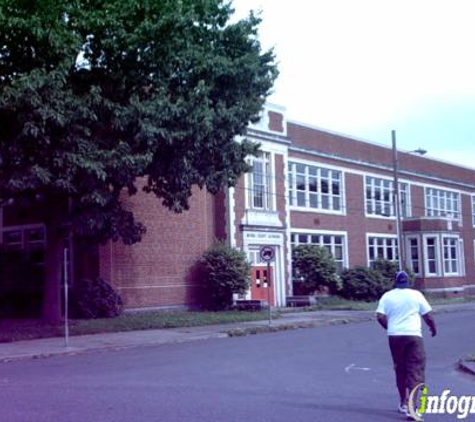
(402, 408)
(417, 417)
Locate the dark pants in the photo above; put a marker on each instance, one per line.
(409, 360)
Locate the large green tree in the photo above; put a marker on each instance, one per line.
(96, 93)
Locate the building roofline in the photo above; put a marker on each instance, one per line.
(370, 142)
(384, 167)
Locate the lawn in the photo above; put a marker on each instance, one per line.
(26, 329)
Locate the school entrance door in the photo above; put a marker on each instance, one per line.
(260, 286)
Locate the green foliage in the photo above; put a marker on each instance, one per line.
(363, 283)
(20, 285)
(94, 94)
(315, 266)
(223, 271)
(96, 298)
(389, 269)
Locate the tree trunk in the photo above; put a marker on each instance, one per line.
(51, 312)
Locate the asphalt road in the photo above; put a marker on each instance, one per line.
(333, 373)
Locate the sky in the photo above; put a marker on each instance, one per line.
(367, 67)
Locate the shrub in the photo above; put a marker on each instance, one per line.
(389, 269)
(95, 298)
(223, 271)
(363, 283)
(317, 269)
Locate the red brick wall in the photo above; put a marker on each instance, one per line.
(354, 222)
(239, 208)
(344, 146)
(156, 271)
(220, 216)
(276, 121)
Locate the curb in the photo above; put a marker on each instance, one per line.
(261, 329)
(205, 333)
(74, 351)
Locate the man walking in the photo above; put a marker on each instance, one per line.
(399, 312)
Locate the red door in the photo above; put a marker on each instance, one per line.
(260, 286)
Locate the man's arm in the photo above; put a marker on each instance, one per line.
(382, 319)
(429, 320)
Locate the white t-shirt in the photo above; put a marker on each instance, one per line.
(403, 308)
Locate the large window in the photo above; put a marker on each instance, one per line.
(443, 255)
(451, 259)
(382, 248)
(473, 211)
(335, 244)
(442, 203)
(431, 253)
(380, 199)
(27, 238)
(260, 183)
(413, 254)
(315, 187)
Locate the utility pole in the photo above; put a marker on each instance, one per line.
(397, 204)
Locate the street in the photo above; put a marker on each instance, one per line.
(331, 373)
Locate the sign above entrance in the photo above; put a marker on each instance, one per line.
(267, 253)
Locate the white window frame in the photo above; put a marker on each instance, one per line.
(436, 258)
(450, 244)
(409, 260)
(321, 234)
(442, 203)
(461, 258)
(386, 242)
(313, 200)
(379, 186)
(268, 201)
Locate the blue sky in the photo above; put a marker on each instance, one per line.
(367, 67)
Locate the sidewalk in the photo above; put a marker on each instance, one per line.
(41, 348)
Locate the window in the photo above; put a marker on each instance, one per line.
(260, 183)
(431, 253)
(450, 249)
(382, 248)
(442, 203)
(413, 254)
(315, 187)
(254, 257)
(379, 197)
(28, 238)
(334, 243)
(473, 211)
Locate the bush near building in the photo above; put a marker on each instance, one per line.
(316, 268)
(363, 283)
(95, 298)
(389, 269)
(222, 272)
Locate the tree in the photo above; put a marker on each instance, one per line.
(97, 93)
(223, 271)
(316, 267)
